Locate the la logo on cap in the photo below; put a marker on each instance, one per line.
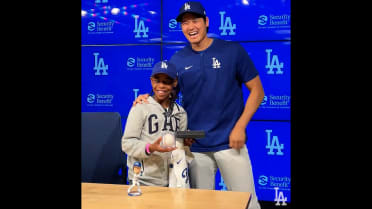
(164, 65)
(187, 6)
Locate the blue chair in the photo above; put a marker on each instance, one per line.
(103, 161)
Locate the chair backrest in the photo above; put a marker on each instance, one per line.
(103, 161)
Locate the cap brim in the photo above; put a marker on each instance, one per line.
(179, 17)
(164, 74)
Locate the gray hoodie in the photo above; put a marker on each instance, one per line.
(145, 124)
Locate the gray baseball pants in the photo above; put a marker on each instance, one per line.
(235, 168)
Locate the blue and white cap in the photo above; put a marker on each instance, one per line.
(191, 7)
(166, 68)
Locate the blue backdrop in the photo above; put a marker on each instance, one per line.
(122, 40)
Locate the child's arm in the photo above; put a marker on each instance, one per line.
(130, 141)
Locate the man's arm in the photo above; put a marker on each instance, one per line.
(237, 135)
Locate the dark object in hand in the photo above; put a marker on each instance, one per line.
(190, 134)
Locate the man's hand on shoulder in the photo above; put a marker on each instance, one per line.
(141, 98)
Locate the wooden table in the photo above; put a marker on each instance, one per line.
(112, 196)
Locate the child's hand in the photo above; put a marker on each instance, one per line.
(156, 147)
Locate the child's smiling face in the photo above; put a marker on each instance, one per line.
(162, 86)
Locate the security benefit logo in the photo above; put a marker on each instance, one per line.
(173, 25)
(279, 185)
(274, 21)
(101, 27)
(100, 100)
(140, 63)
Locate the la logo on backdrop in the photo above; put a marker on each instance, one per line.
(273, 143)
(226, 24)
(273, 62)
(226, 27)
(139, 27)
(277, 72)
(99, 65)
(135, 93)
(95, 98)
(279, 197)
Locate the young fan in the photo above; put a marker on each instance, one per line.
(148, 123)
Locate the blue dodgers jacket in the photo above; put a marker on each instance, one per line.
(210, 82)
